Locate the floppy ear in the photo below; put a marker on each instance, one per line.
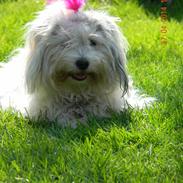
(35, 48)
(36, 43)
(119, 57)
(118, 47)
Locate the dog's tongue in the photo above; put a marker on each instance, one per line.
(79, 77)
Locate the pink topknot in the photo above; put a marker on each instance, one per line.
(74, 4)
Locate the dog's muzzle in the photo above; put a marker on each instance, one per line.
(82, 64)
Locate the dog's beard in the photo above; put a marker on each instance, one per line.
(99, 78)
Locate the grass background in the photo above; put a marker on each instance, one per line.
(135, 146)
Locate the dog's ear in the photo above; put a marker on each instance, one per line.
(35, 48)
(36, 43)
(120, 66)
(118, 46)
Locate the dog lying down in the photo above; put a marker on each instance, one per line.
(73, 64)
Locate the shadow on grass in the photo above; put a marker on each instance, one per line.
(82, 131)
(174, 10)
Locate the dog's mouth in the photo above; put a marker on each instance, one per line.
(79, 76)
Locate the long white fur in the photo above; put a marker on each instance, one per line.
(37, 80)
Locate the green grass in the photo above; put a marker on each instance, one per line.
(135, 146)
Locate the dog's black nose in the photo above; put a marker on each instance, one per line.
(82, 63)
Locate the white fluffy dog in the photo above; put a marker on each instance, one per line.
(72, 65)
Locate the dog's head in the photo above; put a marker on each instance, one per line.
(75, 51)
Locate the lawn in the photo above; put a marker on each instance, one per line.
(135, 146)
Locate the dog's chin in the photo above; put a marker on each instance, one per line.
(82, 77)
(79, 81)
(77, 78)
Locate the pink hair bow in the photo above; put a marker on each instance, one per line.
(74, 5)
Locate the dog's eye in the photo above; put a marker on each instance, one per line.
(92, 42)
